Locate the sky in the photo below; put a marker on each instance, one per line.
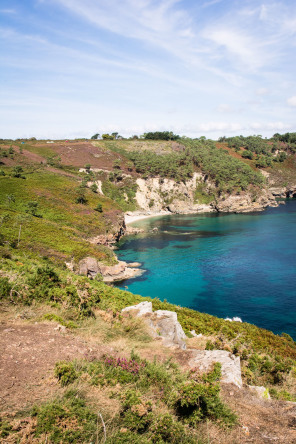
(73, 68)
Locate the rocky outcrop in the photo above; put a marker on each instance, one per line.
(90, 267)
(283, 192)
(159, 194)
(163, 324)
(230, 364)
(117, 221)
(156, 195)
(245, 203)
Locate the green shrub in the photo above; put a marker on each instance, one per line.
(55, 318)
(5, 287)
(66, 420)
(5, 428)
(165, 428)
(65, 372)
(197, 400)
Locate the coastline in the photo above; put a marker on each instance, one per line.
(134, 217)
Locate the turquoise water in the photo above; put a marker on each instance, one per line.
(223, 264)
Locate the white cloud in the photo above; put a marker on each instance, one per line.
(292, 101)
(274, 126)
(7, 11)
(262, 91)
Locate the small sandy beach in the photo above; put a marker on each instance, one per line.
(130, 218)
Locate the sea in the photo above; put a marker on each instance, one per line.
(227, 265)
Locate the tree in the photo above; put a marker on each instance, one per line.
(99, 208)
(32, 207)
(17, 172)
(247, 154)
(108, 136)
(81, 199)
(94, 188)
(116, 164)
(95, 136)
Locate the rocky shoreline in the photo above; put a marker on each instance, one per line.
(91, 267)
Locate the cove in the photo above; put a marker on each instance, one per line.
(223, 264)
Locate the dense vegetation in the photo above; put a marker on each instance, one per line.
(161, 135)
(224, 170)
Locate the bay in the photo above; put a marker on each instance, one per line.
(223, 264)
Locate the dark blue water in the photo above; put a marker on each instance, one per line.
(226, 265)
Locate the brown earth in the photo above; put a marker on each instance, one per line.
(28, 356)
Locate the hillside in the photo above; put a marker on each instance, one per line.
(74, 368)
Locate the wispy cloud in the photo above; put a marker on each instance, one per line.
(291, 101)
(127, 63)
(7, 11)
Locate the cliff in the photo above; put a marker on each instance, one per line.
(197, 195)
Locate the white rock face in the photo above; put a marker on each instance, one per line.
(162, 323)
(139, 309)
(156, 194)
(99, 185)
(230, 364)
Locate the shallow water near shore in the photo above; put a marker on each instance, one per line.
(223, 264)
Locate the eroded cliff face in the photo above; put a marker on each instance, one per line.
(159, 194)
(155, 195)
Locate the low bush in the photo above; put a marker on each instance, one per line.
(66, 420)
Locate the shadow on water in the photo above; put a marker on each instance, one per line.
(161, 240)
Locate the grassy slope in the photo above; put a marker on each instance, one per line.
(64, 226)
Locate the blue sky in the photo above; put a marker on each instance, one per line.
(71, 68)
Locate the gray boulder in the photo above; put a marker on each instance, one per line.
(88, 267)
(163, 324)
(140, 309)
(230, 364)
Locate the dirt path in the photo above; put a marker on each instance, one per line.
(28, 354)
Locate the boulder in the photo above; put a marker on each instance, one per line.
(166, 324)
(88, 267)
(140, 309)
(162, 323)
(230, 364)
(119, 272)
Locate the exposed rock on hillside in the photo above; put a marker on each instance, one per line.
(89, 266)
(283, 192)
(261, 392)
(245, 203)
(230, 364)
(163, 324)
(157, 194)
